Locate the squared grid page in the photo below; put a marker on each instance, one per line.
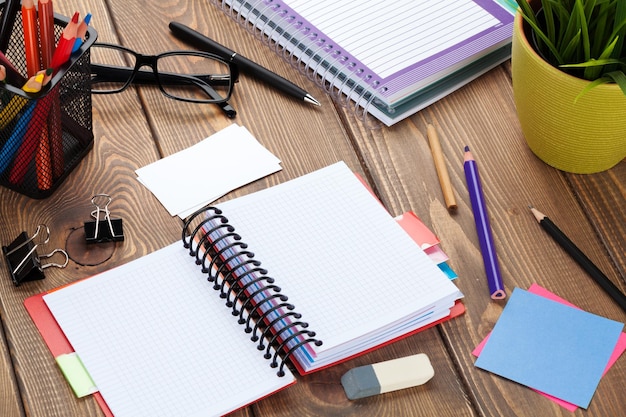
(158, 341)
(339, 256)
(389, 36)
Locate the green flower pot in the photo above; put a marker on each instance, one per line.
(580, 136)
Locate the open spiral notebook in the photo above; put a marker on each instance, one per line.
(311, 268)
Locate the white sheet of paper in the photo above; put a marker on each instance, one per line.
(204, 172)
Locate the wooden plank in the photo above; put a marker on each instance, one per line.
(305, 138)
(10, 404)
(603, 197)
(140, 126)
(123, 143)
(482, 115)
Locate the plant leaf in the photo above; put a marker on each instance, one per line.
(619, 78)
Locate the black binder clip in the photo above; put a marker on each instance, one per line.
(22, 259)
(105, 229)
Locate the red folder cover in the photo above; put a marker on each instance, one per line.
(59, 345)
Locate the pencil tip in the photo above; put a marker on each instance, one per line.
(466, 148)
(538, 215)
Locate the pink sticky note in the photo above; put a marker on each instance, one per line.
(619, 347)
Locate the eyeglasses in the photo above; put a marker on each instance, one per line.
(191, 76)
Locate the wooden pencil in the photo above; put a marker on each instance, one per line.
(440, 166)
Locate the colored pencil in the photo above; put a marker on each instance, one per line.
(42, 161)
(31, 40)
(55, 136)
(81, 32)
(46, 31)
(12, 144)
(13, 75)
(30, 140)
(37, 127)
(483, 228)
(64, 48)
(440, 166)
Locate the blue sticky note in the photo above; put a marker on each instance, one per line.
(551, 347)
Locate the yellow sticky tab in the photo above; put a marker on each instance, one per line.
(76, 374)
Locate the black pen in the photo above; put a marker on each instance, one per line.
(201, 42)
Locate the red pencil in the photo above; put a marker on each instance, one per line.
(46, 29)
(36, 128)
(66, 43)
(31, 43)
(30, 140)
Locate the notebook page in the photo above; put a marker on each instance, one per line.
(338, 255)
(390, 36)
(158, 341)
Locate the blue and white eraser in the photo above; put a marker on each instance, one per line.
(378, 378)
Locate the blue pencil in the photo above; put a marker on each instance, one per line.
(13, 143)
(483, 228)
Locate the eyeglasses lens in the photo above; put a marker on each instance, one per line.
(194, 77)
(185, 76)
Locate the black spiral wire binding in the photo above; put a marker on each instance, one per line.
(241, 280)
(210, 248)
(232, 276)
(187, 237)
(259, 16)
(241, 289)
(265, 333)
(249, 306)
(260, 317)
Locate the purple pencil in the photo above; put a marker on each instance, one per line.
(487, 248)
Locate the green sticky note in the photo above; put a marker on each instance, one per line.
(76, 374)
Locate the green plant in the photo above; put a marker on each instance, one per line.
(584, 38)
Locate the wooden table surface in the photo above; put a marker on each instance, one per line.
(140, 126)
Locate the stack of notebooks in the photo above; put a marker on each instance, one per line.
(391, 59)
(302, 275)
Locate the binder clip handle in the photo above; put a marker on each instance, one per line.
(22, 259)
(54, 264)
(103, 229)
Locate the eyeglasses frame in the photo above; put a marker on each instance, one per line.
(144, 77)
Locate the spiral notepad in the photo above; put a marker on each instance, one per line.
(306, 272)
(390, 59)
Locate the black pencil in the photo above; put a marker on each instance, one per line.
(582, 259)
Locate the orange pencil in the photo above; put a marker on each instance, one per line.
(46, 31)
(31, 43)
(42, 162)
(66, 43)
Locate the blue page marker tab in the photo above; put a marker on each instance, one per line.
(551, 347)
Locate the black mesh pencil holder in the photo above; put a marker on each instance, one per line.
(43, 136)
